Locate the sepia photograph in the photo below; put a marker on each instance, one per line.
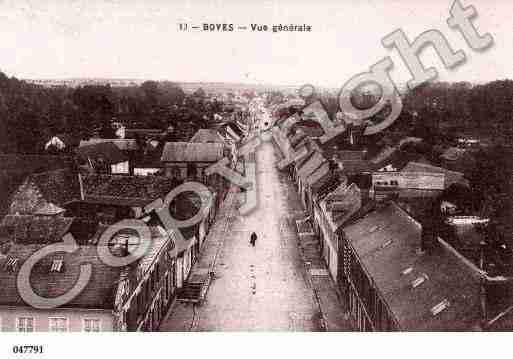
(253, 167)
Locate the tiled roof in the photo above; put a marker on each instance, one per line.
(105, 151)
(36, 229)
(99, 292)
(58, 187)
(49, 209)
(192, 152)
(126, 190)
(14, 168)
(414, 283)
(124, 144)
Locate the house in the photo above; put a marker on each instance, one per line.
(143, 157)
(115, 298)
(305, 169)
(451, 177)
(188, 161)
(208, 136)
(142, 133)
(147, 288)
(124, 145)
(34, 229)
(396, 278)
(46, 190)
(104, 157)
(15, 168)
(62, 142)
(383, 181)
(458, 159)
(110, 198)
(231, 131)
(184, 207)
(395, 158)
(330, 213)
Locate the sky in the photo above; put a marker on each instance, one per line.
(46, 39)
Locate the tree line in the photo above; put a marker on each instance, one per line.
(30, 114)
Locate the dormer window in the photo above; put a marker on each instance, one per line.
(57, 265)
(418, 281)
(407, 271)
(11, 265)
(444, 304)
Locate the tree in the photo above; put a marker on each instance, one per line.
(199, 93)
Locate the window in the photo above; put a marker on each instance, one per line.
(57, 265)
(58, 324)
(418, 281)
(25, 324)
(91, 325)
(11, 265)
(444, 304)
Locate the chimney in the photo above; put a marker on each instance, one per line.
(482, 285)
(428, 239)
(431, 222)
(81, 183)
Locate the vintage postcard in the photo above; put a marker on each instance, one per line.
(253, 166)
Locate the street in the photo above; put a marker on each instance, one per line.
(262, 287)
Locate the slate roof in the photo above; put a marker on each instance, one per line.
(308, 167)
(387, 243)
(38, 190)
(303, 159)
(344, 155)
(126, 190)
(106, 151)
(296, 138)
(318, 174)
(451, 177)
(207, 135)
(192, 152)
(99, 292)
(352, 168)
(341, 204)
(328, 183)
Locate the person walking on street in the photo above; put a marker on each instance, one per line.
(253, 239)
